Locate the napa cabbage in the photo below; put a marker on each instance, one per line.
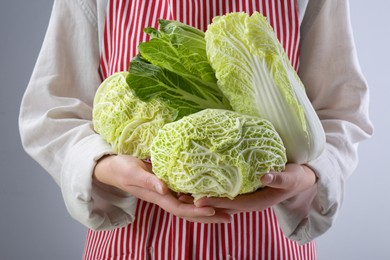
(217, 153)
(255, 74)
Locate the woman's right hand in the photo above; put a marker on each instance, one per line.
(135, 177)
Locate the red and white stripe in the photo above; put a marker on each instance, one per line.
(126, 19)
(156, 234)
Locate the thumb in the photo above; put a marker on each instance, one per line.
(276, 180)
(267, 179)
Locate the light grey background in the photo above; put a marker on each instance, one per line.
(34, 223)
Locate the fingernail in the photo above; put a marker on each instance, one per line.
(267, 179)
(212, 213)
(158, 188)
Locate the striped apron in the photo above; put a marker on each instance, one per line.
(156, 234)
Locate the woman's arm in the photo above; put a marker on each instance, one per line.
(55, 117)
(334, 83)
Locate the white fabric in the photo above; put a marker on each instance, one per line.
(334, 83)
(56, 128)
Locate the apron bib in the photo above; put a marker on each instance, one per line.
(156, 234)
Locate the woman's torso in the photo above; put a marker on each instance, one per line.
(156, 234)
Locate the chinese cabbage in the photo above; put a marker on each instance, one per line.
(254, 73)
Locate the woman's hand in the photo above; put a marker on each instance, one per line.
(135, 177)
(279, 187)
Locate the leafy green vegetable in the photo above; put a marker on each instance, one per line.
(254, 73)
(216, 152)
(126, 122)
(178, 48)
(174, 106)
(173, 67)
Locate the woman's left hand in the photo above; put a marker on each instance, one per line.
(279, 187)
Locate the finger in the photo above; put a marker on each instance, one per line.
(256, 201)
(128, 171)
(142, 178)
(171, 204)
(219, 217)
(279, 180)
(186, 210)
(230, 212)
(295, 178)
(186, 199)
(239, 203)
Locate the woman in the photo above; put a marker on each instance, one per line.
(130, 212)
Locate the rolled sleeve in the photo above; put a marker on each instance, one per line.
(96, 205)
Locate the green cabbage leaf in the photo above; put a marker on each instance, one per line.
(173, 67)
(126, 122)
(255, 74)
(217, 153)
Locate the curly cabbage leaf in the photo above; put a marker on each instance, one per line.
(254, 73)
(217, 153)
(126, 122)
